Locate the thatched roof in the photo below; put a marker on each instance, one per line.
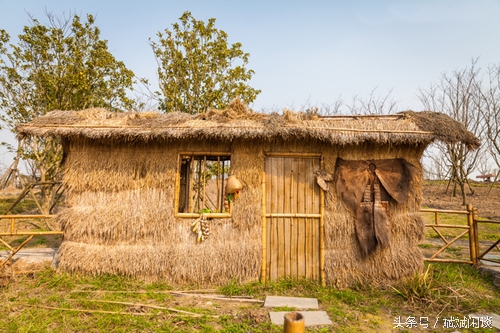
(239, 122)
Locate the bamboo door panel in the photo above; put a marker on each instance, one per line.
(292, 217)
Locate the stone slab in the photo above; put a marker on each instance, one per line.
(311, 318)
(33, 255)
(291, 302)
(495, 319)
(491, 257)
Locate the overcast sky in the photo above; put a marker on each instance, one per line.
(304, 52)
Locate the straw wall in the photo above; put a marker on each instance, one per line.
(120, 218)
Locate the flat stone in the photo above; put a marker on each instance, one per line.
(291, 302)
(491, 257)
(311, 318)
(32, 255)
(495, 319)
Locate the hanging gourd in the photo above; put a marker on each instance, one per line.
(232, 190)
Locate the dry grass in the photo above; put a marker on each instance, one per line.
(121, 193)
(121, 216)
(239, 122)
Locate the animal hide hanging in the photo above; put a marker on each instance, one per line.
(322, 177)
(366, 187)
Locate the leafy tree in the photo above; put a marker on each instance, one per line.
(198, 70)
(62, 66)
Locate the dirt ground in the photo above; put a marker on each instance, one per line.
(486, 198)
(434, 196)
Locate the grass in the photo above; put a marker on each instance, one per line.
(442, 290)
(25, 205)
(488, 233)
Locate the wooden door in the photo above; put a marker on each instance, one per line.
(292, 217)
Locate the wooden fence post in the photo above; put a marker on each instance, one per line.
(472, 236)
(476, 233)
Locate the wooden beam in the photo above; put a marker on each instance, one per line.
(321, 233)
(292, 154)
(426, 210)
(294, 215)
(264, 230)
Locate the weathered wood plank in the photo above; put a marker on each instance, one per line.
(317, 205)
(294, 203)
(302, 190)
(269, 226)
(290, 202)
(281, 198)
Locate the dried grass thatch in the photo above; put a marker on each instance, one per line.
(120, 172)
(239, 122)
(121, 220)
(444, 129)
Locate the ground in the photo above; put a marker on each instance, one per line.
(486, 198)
(448, 290)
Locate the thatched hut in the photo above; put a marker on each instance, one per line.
(330, 198)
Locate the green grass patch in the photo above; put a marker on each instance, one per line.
(24, 206)
(444, 289)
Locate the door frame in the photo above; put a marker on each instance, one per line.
(321, 212)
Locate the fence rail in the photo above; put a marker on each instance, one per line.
(471, 230)
(482, 256)
(12, 230)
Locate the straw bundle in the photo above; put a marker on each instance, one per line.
(228, 254)
(120, 218)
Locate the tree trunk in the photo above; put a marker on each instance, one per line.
(47, 197)
(464, 195)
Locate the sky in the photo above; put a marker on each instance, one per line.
(303, 52)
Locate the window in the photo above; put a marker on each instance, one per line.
(200, 186)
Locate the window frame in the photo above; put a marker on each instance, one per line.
(177, 189)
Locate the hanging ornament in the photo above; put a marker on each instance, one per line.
(201, 228)
(232, 189)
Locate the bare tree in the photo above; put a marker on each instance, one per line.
(435, 165)
(483, 164)
(457, 95)
(489, 105)
(375, 103)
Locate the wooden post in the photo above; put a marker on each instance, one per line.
(472, 237)
(204, 166)
(222, 193)
(294, 323)
(177, 189)
(218, 203)
(264, 230)
(476, 232)
(322, 233)
(17, 250)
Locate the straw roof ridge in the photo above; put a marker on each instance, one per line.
(238, 121)
(444, 127)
